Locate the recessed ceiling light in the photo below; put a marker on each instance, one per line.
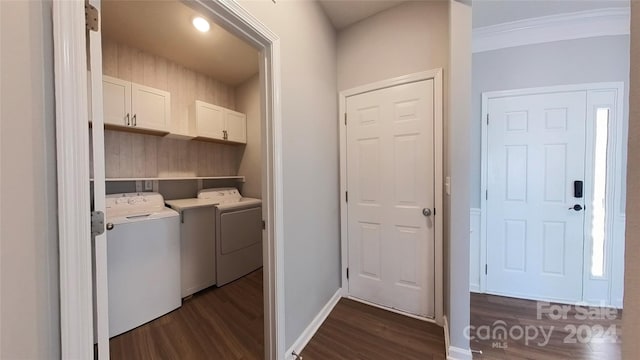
(201, 24)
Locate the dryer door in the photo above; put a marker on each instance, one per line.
(239, 245)
(240, 229)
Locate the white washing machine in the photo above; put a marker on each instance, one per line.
(143, 260)
(238, 233)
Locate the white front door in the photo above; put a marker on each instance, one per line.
(390, 182)
(535, 237)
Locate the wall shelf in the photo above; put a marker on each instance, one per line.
(233, 177)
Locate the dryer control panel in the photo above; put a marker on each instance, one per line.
(220, 195)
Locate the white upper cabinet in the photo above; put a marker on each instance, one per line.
(236, 126)
(150, 107)
(136, 106)
(209, 120)
(116, 96)
(212, 122)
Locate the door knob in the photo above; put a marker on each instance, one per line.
(576, 207)
(426, 212)
(109, 226)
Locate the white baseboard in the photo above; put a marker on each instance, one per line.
(456, 353)
(445, 321)
(313, 327)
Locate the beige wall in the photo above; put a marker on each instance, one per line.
(129, 155)
(408, 38)
(309, 156)
(248, 102)
(630, 324)
(29, 315)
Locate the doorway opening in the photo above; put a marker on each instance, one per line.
(145, 132)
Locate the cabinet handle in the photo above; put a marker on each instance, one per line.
(224, 134)
(128, 120)
(135, 122)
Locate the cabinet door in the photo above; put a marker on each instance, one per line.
(197, 250)
(236, 126)
(209, 120)
(116, 96)
(150, 108)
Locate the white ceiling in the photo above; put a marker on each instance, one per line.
(164, 28)
(343, 13)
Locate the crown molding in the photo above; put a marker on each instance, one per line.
(569, 26)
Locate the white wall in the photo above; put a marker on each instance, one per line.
(630, 344)
(248, 102)
(599, 59)
(458, 155)
(29, 326)
(405, 39)
(310, 157)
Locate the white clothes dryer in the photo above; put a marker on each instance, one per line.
(238, 233)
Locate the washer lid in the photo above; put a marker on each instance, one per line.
(133, 218)
(129, 204)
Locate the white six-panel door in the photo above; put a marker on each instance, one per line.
(536, 148)
(390, 181)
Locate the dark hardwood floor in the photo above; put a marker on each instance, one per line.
(357, 331)
(218, 323)
(227, 323)
(597, 337)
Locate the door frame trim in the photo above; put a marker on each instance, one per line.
(616, 142)
(437, 77)
(76, 309)
(72, 163)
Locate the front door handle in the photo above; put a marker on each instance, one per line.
(426, 212)
(576, 207)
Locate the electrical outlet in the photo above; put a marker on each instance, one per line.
(138, 186)
(447, 185)
(148, 185)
